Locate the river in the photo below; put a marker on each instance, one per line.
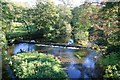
(74, 67)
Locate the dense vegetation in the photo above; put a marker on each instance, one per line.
(47, 22)
(98, 24)
(36, 65)
(110, 18)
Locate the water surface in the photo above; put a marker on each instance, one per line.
(74, 67)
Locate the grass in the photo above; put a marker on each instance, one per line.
(21, 34)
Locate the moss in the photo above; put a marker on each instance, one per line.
(81, 54)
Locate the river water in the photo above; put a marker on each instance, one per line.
(74, 67)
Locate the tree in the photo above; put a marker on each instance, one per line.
(7, 15)
(63, 26)
(109, 19)
(67, 2)
(82, 21)
(45, 18)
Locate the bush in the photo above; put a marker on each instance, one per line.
(111, 59)
(112, 71)
(101, 42)
(36, 65)
(113, 48)
(112, 65)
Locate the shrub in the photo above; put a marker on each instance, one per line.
(112, 65)
(36, 65)
(112, 71)
(111, 59)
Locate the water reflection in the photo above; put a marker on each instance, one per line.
(90, 60)
(73, 72)
(89, 65)
(24, 47)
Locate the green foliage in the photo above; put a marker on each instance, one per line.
(101, 42)
(105, 30)
(45, 16)
(111, 59)
(65, 13)
(62, 26)
(112, 48)
(81, 37)
(111, 65)
(4, 22)
(82, 16)
(114, 38)
(60, 23)
(21, 32)
(108, 16)
(112, 71)
(82, 21)
(36, 65)
(5, 9)
(110, 12)
(81, 54)
(63, 32)
(7, 15)
(2, 39)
